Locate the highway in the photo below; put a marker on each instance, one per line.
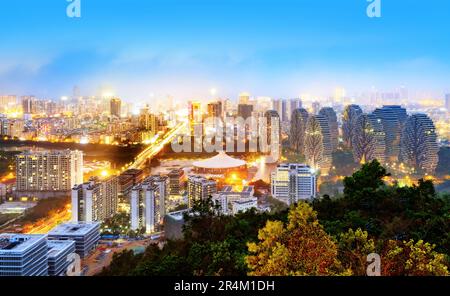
(45, 225)
(153, 149)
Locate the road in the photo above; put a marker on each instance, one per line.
(99, 259)
(44, 226)
(153, 149)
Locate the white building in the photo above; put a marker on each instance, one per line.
(23, 255)
(95, 200)
(49, 170)
(293, 182)
(200, 188)
(85, 235)
(233, 202)
(244, 204)
(148, 203)
(58, 255)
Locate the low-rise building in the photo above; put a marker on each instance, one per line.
(58, 256)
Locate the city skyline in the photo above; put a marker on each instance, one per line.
(141, 48)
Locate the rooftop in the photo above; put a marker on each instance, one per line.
(56, 247)
(220, 161)
(74, 229)
(18, 242)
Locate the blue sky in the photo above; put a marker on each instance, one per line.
(279, 48)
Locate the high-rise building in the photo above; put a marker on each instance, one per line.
(293, 182)
(299, 119)
(245, 110)
(200, 188)
(85, 235)
(28, 104)
(58, 254)
(317, 144)
(195, 112)
(244, 98)
(368, 139)
(148, 204)
(294, 104)
(49, 170)
(393, 119)
(419, 147)
(349, 118)
(148, 121)
(331, 116)
(95, 200)
(23, 255)
(273, 135)
(327, 152)
(116, 107)
(215, 109)
(176, 182)
(12, 128)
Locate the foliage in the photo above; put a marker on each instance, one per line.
(301, 247)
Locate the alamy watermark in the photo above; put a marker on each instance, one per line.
(73, 9)
(234, 134)
(374, 267)
(374, 9)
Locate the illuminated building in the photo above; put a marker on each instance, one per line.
(220, 164)
(244, 98)
(233, 202)
(299, 119)
(148, 121)
(23, 255)
(393, 119)
(176, 182)
(330, 115)
(215, 109)
(28, 104)
(85, 235)
(12, 128)
(95, 200)
(195, 112)
(49, 170)
(419, 147)
(200, 188)
(273, 135)
(318, 144)
(148, 204)
(350, 116)
(116, 107)
(369, 139)
(58, 252)
(293, 182)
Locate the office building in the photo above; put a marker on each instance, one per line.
(447, 102)
(245, 110)
(232, 202)
(58, 255)
(215, 109)
(23, 255)
(293, 182)
(200, 188)
(243, 205)
(49, 170)
(85, 235)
